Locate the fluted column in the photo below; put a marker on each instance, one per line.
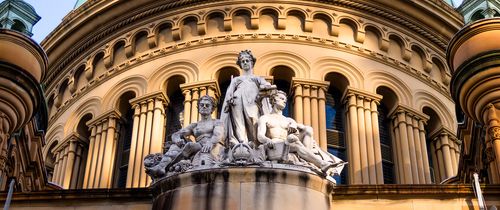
(147, 135)
(493, 143)
(192, 92)
(363, 138)
(69, 162)
(409, 146)
(309, 106)
(102, 149)
(298, 103)
(187, 107)
(445, 144)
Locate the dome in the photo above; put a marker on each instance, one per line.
(21, 4)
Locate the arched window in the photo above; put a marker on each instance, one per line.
(282, 79)
(50, 161)
(78, 174)
(335, 131)
(478, 15)
(175, 108)
(432, 126)
(123, 147)
(224, 76)
(388, 103)
(18, 26)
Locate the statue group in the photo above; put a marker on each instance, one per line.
(252, 131)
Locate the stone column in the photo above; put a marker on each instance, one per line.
(309, 106)
(409, 146)
(363, 138)
(147, 135)
(493, 143)
(445, 144)
(192, 92)
(73, 146)
(102, 150)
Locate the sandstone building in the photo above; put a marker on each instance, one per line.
(370, 77)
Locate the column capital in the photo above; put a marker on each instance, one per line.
(350, 91)
(155, 96)
(104, 117)
(409, 111)
(207, 84)
(315, 84)
(73, 137)
(443, 131)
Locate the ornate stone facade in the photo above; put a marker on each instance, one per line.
(369, 77)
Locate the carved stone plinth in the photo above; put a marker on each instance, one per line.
(243, 188)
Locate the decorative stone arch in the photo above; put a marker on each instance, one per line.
(113, 46)
(297, 63)
(427, 65)
(324, 14)
(157, 27)
(183, 18)
(185, 68)
(217, 62)
(90, 106)
(398, 38)
(226, 23)
(379, 31)
(137, 84)
(350, 20)
(378, 78)
(306, 21)
(267, 8)
(54, 135)
(132, 39)
(444, 71)
(383, 39)
(359, 33)
(236, 10)
(326, 65)
(214, 11)
(299, 10)
(418, 46)
(422, 98)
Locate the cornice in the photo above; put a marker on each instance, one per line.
(229, 39)
(76, 21)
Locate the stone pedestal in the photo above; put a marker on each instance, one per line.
(243, 188)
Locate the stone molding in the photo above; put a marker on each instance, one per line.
(177, 18)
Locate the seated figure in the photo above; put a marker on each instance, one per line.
(276, 131)
(208, 134)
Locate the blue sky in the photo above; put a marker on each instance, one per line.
(53, 11)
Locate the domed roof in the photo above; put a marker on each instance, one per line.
(21, 4)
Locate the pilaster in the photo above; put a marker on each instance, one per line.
(309, 106)
(363, 137)
(147, 134)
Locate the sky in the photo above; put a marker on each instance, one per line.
(53, 11)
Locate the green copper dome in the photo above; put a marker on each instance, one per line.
(79, 2)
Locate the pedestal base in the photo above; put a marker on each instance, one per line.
(244, 189)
